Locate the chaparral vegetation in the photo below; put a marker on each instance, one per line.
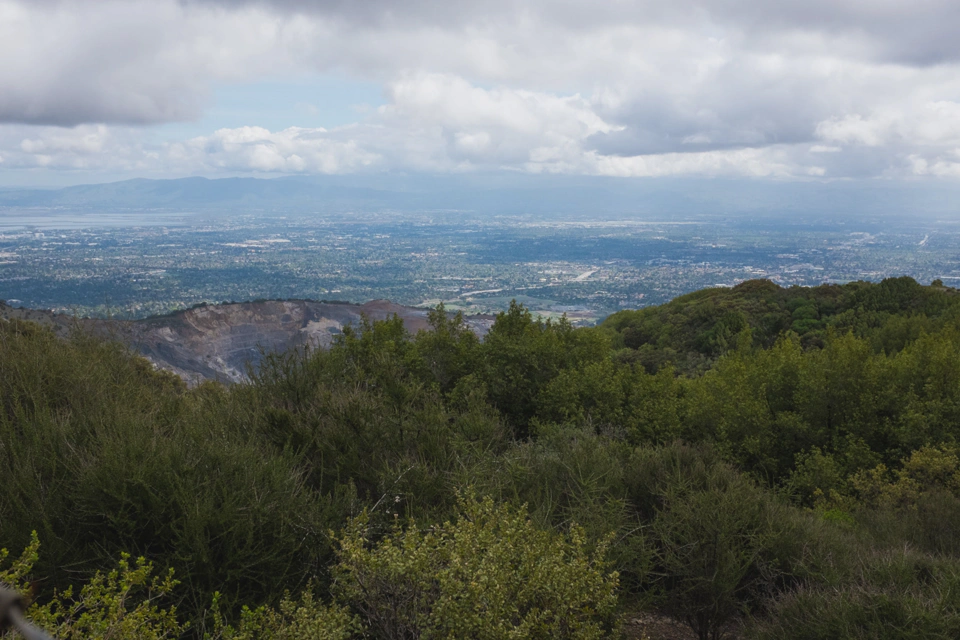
(755, 462)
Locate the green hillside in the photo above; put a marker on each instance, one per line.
(692, 330)
(753, 462)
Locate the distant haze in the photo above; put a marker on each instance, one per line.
(582, 197)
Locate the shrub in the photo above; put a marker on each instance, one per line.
(302, 619)
(722, 544)
(123, 604)
(102, 455)
(489, 574)
(710, 549)
(898, 595)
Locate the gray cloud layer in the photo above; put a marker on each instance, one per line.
(919, 32)
(830, 88)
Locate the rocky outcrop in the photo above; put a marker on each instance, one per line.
(219, 342)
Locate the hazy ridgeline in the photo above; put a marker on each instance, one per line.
(759, 461)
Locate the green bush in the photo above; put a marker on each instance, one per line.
(898, 594)
(102, 455)
(711, 545)
(490, 573)
(127, 603)
(294, 619)
(721, 544)
(807, 461)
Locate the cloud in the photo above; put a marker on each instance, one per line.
(889, 19)
(81, 148)
(432, 123)
(924, 139)
(914, 32)
(442, 123)
(931, 124)
(463, 125)
(137, 62)
(292, 150)
(832, 88)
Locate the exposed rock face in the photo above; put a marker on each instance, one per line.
(217, 342)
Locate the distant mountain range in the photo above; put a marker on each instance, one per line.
(495, 193)
(218, 342)
(199, 193)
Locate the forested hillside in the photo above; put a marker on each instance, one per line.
(692, 330)
(754, 462)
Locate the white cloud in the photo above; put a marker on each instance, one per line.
(293, 150)
(432, 123)
(854, 129)
(128, 62)
(85, 148)
(461, 125)
(918, 138)
(768, 162)
(831, 88)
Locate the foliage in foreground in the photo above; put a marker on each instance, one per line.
(129, 601)
(804, 478)
(489, 574)
(900, 594)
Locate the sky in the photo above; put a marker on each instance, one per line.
(94, 90)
